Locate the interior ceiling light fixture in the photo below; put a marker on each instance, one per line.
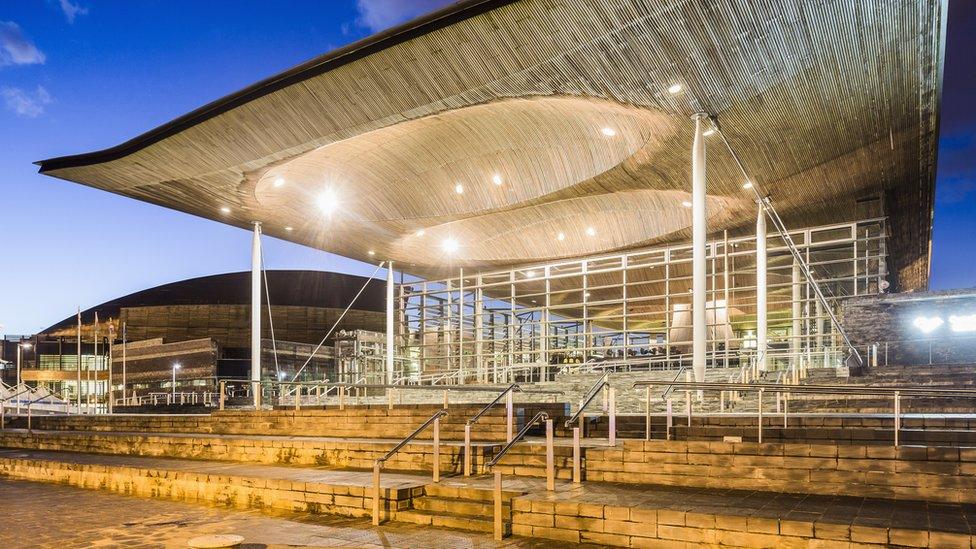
(674, 88)
(530, 274)
(371, 252)
(421, 232)
(289, 229)
(459, 188)
(496, 179)
(279, 182)
(686, 204)
(609, 132)
(747, 185)
(224, 209)
(590, 231)
(328, 201)
(927, 324)
(561, 236)
(708, 132)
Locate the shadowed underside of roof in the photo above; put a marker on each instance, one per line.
(556, 118)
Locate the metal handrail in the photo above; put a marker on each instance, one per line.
(590, 395)
(541, 416)
(670, 389)
(811, 389)
(511, 388)
(439, 414)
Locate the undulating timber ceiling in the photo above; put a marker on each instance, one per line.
(529, 130)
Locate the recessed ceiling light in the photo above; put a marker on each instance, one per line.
(371, 252)
(747, 185)
(530, 274)
(289, 229)
(459, 188)
(421, 232)
(609, 132)
(224, 209)
(450, 245)
(675, 88)
(561, 236)
(708, 132)
(591, 231)
(279, 182)
(496, 179)
(328, 201)
(686, 204)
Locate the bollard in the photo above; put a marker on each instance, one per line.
(760, 415)
(670, 423)
(437, 450)
(223, 389)
(467, 450)
(577, 457)
(508, 417)
(897, 415)
(376, 493)
(499, 531)
(647, 413)
(550, 459)
(613, 417)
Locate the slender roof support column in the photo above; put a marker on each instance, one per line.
(256, 311)
(699, 230)
(796, 339)
(389, 323)
(761, 324)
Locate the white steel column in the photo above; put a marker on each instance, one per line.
(796, 339)
(389, 323)
(256, 312)
(761, 324)
(699, 229)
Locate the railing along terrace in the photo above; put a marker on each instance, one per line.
(784, 392)
(630, 305)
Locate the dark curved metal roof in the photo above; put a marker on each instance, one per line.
(317, 289)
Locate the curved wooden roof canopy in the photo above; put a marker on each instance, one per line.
(556, 117)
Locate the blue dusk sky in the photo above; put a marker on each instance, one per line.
(82, 75)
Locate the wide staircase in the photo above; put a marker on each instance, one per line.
(827, 478)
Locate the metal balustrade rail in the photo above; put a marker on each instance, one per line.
(609, 406)
(784, 391)
(434, 420)
(509, 422)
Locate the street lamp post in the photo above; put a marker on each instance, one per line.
(176, 366)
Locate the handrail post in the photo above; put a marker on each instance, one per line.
(467, 449)
(437, 450)
(29, 414)
(577, 457)
(760, 415)
(550, 459)
(499, 530)
(509, 424)
(786, 408)
(389, 399)
(298, 397)
(376, 493)
(446, 391)
(688, 406)
(670, 420)
(647, 414)
(897, 415)
(223, 390)
(342, 397)
(613, 417)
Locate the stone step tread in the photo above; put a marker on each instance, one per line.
(468, 493)
(439, 520)
(461, 507)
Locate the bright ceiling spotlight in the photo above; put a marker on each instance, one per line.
(708, 132)
(289, 229)
(747, 185)
(371, 252)
(459, 188)
(609, 132)
(590, 231)
(224, 210)
(686, 204)
(561, 236)
(674, 88)
(328, 202)
(25, 345)
(963, 323)
(421, 232)
(279, 181)
(496, 179)
(450, 245)
(927, 324)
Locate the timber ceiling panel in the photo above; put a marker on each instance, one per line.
(828, 103)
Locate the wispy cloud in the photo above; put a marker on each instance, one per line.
(377, 15)
(72, 10)
(25, 103)
(15, 48)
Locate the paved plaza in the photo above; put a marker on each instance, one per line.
(55, 516)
